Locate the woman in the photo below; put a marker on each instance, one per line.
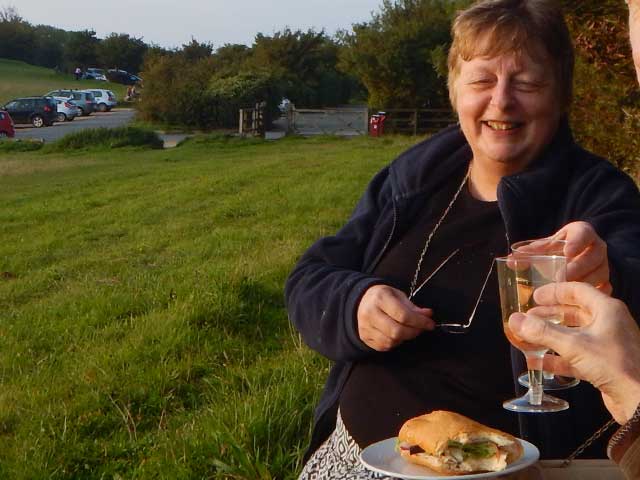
(403, 297)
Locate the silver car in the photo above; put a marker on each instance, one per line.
(105, 99)
(84, 100)
(67, 110)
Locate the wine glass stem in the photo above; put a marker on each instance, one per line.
(535, 387)
(534, 365)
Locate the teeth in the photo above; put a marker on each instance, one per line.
(501, 125)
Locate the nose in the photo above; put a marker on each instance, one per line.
(502, 95)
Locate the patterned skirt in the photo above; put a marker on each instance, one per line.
(338, 458)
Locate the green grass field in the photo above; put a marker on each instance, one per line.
(19, 79)
(142, 327)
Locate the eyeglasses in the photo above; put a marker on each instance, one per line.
(456, 328)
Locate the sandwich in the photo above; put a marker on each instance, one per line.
(453, 444)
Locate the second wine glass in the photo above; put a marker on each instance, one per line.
(518, 278)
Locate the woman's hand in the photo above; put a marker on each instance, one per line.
(604, 349)
(586, 254)
(386, 318)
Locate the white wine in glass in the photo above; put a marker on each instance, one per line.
(544, 246)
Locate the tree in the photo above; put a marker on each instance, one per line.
(17, 39)
(119, 50)
(230, 59)
(304, 65)
(606, 109)
(80, 50)
(398, 54)
(195, 50)
(49, 46)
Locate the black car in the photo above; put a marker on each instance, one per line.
(38, 111)
(123, 77)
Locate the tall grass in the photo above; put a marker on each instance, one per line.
(142, 327)
(101, 138)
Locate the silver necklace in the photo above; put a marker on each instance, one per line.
(414, 282)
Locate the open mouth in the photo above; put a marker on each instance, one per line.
(502, 126)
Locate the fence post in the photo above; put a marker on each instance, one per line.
(366, 121)
(241, 127)
(415, 122)
(291, 114)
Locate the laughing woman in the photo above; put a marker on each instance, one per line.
(403, 298)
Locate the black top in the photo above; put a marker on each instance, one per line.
(467, 373)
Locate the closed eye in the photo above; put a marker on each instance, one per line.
(528, 86)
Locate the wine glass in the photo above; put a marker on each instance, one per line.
(518, 277)
(544, 246)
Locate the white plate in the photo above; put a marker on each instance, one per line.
(382, 457)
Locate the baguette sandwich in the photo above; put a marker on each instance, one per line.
(453, 444)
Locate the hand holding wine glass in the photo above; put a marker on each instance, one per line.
(603, 348)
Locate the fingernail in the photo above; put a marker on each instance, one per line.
(515, 322)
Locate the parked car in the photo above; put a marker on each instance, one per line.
(94, 74)
(123, 77)
(85, 101)
(105, 99)
(6, 125)
(67, 110)
(38, 111)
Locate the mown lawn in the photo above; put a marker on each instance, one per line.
(142, 327)
(19, 79)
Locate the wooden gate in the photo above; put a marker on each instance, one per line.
(252, 121)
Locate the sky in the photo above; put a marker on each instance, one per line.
(172, 23)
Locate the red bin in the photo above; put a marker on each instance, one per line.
(376, 124)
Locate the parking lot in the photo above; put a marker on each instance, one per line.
(115, 118)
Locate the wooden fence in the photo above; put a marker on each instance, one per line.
(417, 121)
(346, 121)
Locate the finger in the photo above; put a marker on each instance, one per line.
(579, 235)
(605, 288)
(535, 330)
(558, 365)
(392, 331)
(599, 276)
(404, 312)
(538, 246)
(592, 260)
(568, 315)
(569, 293)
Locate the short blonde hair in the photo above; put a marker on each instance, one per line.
(495, 27)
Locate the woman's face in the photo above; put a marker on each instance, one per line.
(508, 108)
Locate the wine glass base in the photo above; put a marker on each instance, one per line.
(549, 404)
(555, 383)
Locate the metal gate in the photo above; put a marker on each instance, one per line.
(345, 121)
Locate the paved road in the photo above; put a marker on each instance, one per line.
(114, 118)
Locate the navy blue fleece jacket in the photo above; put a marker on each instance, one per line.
(565, 184)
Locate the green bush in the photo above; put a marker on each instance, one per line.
(20, 145)
(180, 91)
(107, 138)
